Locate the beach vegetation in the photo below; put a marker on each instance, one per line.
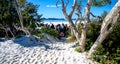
(49, 31)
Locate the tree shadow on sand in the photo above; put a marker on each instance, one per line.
(26, 42)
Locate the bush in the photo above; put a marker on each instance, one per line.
(72, 37)
(41, 35)
(93, 31)
(88, 44)
(49, 31)
(78, 49)
(110, 48)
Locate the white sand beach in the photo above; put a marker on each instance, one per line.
(48, 50)
(55, 23)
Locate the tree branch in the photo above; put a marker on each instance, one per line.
(67, 2)
(114, 11)
(64, 9)
(57, 3)
(17, 6)
(73, 8)
(96, 16)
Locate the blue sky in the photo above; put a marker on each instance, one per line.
(49, 10)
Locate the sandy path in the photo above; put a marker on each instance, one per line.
(57, 53)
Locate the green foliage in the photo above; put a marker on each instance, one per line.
(72, 37)
(99, 55)
(41, 35)
(32, 25)
(30, 14)
(9, 16)
(35, 32)
(49, 31)
(88, 44)
(78, 49)
(100, 3)
(109, 51)
(93, 31)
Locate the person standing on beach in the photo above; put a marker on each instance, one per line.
(52, 26)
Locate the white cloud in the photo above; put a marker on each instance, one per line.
(52, 6)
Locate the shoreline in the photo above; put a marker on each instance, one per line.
(56, 22)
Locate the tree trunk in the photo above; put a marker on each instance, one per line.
(25, 30)
(19, 13)
(82, 39)
(74, 29)
(112, 16)
(84, 29)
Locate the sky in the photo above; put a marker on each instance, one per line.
(49, 10)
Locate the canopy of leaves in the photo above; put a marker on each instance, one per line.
(30, 14)
(100, 3)
(9, 16)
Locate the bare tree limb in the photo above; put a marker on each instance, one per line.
(6, 29)
(67, 2)
(17, 6)
(96, 16)
(57, 3)
(73, 8)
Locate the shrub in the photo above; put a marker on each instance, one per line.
(93, 31)
(109, 48)
(41, 35)
(49, 31)
(78, 49)
(72, 37)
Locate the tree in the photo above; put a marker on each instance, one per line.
(81, 39)
(69, 18)
(30, 14)
(7, 11)
(103, 15)
(112, 17)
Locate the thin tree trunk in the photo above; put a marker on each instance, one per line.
(74, 30)
(19, 13)
(11, 32)
(82, 39)
(2, 27)
(84, 29)
(112, 16)
(25, 30)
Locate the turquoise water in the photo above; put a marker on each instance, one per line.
(54, 21)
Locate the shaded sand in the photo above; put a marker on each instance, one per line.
(48, 50)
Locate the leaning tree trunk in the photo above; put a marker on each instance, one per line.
(111, 17)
